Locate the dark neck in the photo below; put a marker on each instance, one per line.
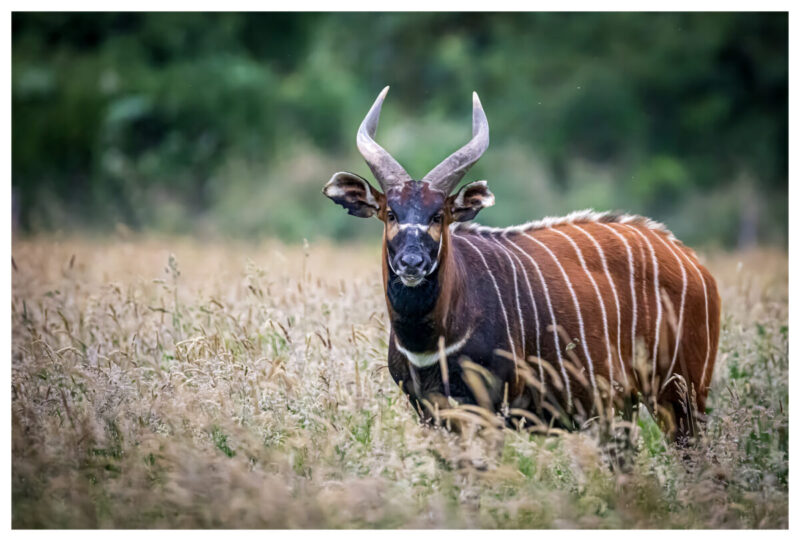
(417, 313)
(413, 302)
(413, 312)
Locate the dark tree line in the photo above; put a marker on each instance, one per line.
(155, 120)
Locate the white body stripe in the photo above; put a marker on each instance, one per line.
(616, 300)
(552, 319)
(658, 301)
(530, 294)
(679, 331)
(633, 298)
(423, 360)
(602, 313)
(708, 331)
(577, 308)
(516, 293)
(643, 259)
(499, 297)
(518, 343)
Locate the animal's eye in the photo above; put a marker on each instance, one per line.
(437, 218)
(390, 216)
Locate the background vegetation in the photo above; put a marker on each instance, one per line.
(229, 124)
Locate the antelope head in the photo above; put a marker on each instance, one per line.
(416, 213)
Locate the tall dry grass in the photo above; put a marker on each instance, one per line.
(232, 385)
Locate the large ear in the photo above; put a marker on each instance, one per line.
(469, 200)
(353, 193)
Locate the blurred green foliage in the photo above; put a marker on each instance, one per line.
(231, 123)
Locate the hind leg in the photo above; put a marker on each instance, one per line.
(678, 413)
(677, 422)
(622, 447)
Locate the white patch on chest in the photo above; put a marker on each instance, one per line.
(423, 360)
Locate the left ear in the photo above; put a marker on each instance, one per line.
(469, 200)
(353, 193)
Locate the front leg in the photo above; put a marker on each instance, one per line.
(400, 370)
(425, 387)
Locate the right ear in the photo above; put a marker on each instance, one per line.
(353, 193)
(469, 200)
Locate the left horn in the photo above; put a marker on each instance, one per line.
(447, 174)
(387, 171)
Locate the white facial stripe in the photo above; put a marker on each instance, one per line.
(423, 360)
(438, 255)
(389, 262)
(658, 299)
(420, 227)
(633, 298)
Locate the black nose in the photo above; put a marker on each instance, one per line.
(412, 263)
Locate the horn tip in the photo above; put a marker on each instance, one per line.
(384, 91)
(475, 99)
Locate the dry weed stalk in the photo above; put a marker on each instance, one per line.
(245, 386)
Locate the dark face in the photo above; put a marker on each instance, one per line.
(414, 218)
(415, 213)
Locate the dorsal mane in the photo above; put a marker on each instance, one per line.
(576, 217)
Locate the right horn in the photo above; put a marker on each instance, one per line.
(447, 174)
(387, 171)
